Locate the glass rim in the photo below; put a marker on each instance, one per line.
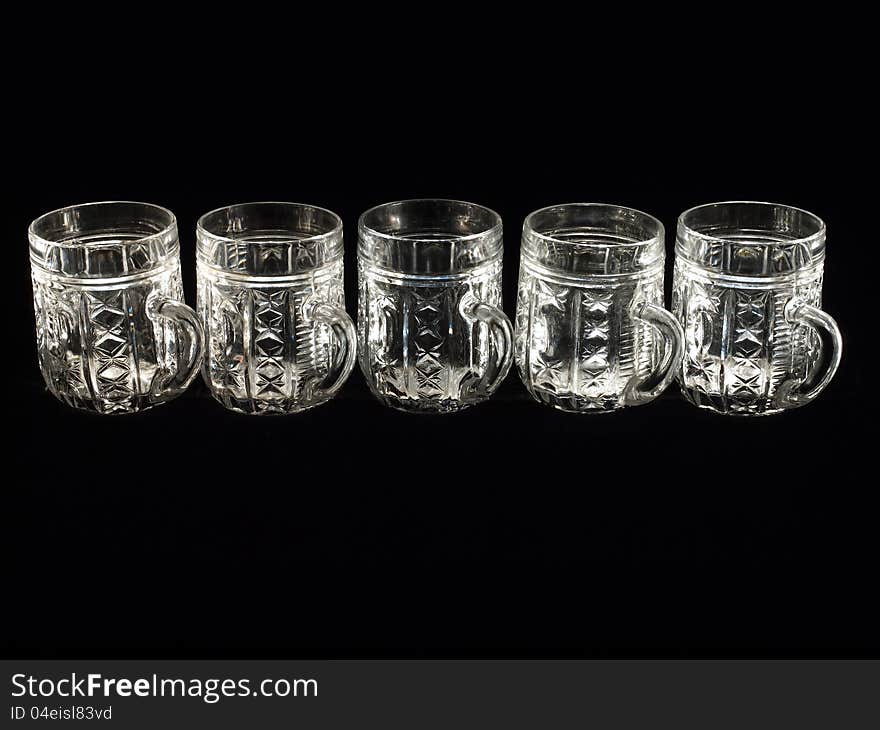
(812, 238)
(334, 232)
(530, 230)
(36, 238)
(494, 229)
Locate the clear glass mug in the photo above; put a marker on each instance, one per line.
(113, 333)
(591, 333)
(270, 294)
(431, 331)
(748, 291)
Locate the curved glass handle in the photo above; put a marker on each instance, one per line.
(389, 322)
(497, 321)
(233, 331)
(189, 329)
(232, 342)
(343, 330)
(790, 392)
(642, 390)
(65, 332)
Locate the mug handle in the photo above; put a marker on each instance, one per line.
(187, 324)
(823, 324)
(343, 330)
(233, 333)
(642, 390)
(496, 321)
(66, 323)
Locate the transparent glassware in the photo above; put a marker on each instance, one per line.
(113, 333)
(270, 294)
(591, 333)
(431, 331)
(748, 291)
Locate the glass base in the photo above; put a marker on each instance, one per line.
(256, 407)
(570, 403)
(126, 407)
(426, 407)
(728, 406)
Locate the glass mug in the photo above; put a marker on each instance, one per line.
(591, 332)
(113, 334)
(270, 294)
(432, 335)
(748, 291)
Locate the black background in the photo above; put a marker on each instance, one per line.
(506, 530)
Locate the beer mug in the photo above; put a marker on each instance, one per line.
(270, 295)
(591, 333)
(432, 334)
(113, 333)
(748, 291)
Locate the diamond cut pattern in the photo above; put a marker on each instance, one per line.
(427, 313)
(745, 370)
(594, 354)
(112, 351)
(548, 360)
